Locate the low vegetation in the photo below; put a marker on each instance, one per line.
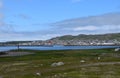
(102, 63)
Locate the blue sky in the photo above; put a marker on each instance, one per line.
(31, 19)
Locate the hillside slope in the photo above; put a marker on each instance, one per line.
(113, 36)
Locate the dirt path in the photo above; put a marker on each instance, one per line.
(100, 63)
(78, 66)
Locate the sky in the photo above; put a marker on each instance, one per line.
(33, 19)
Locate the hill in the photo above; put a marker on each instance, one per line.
(112, 36)
(82, 39)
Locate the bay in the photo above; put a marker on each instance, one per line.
(7, 48)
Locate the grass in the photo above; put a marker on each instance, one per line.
(27, 66)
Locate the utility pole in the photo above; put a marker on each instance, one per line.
(18, 46)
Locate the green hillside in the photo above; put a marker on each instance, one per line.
(112, 36)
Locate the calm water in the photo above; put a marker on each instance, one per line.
(6, 48)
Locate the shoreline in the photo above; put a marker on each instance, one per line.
(11, 54)
(54, 45)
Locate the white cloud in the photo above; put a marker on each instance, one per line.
(96, 29)
(110, 28)
(7, 34)
(85, 28)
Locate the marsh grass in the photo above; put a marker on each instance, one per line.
(40, 62)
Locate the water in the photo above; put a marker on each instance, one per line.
(6, 48)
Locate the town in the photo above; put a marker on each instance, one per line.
(69, 40)
(72, 42)
(64, 42)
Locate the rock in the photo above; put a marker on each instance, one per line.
(98, 58)
(57, 64)
(54, 64)
(41, 64)
(117, 49)
(82, 61)
(39, 74)
(55, 75)
(60, 63)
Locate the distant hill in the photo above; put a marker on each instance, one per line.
(82, 39)
(14, 42)
(112, 36)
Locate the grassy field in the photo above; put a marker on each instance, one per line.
(38, 65)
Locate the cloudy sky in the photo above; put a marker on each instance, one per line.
(44, 19)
